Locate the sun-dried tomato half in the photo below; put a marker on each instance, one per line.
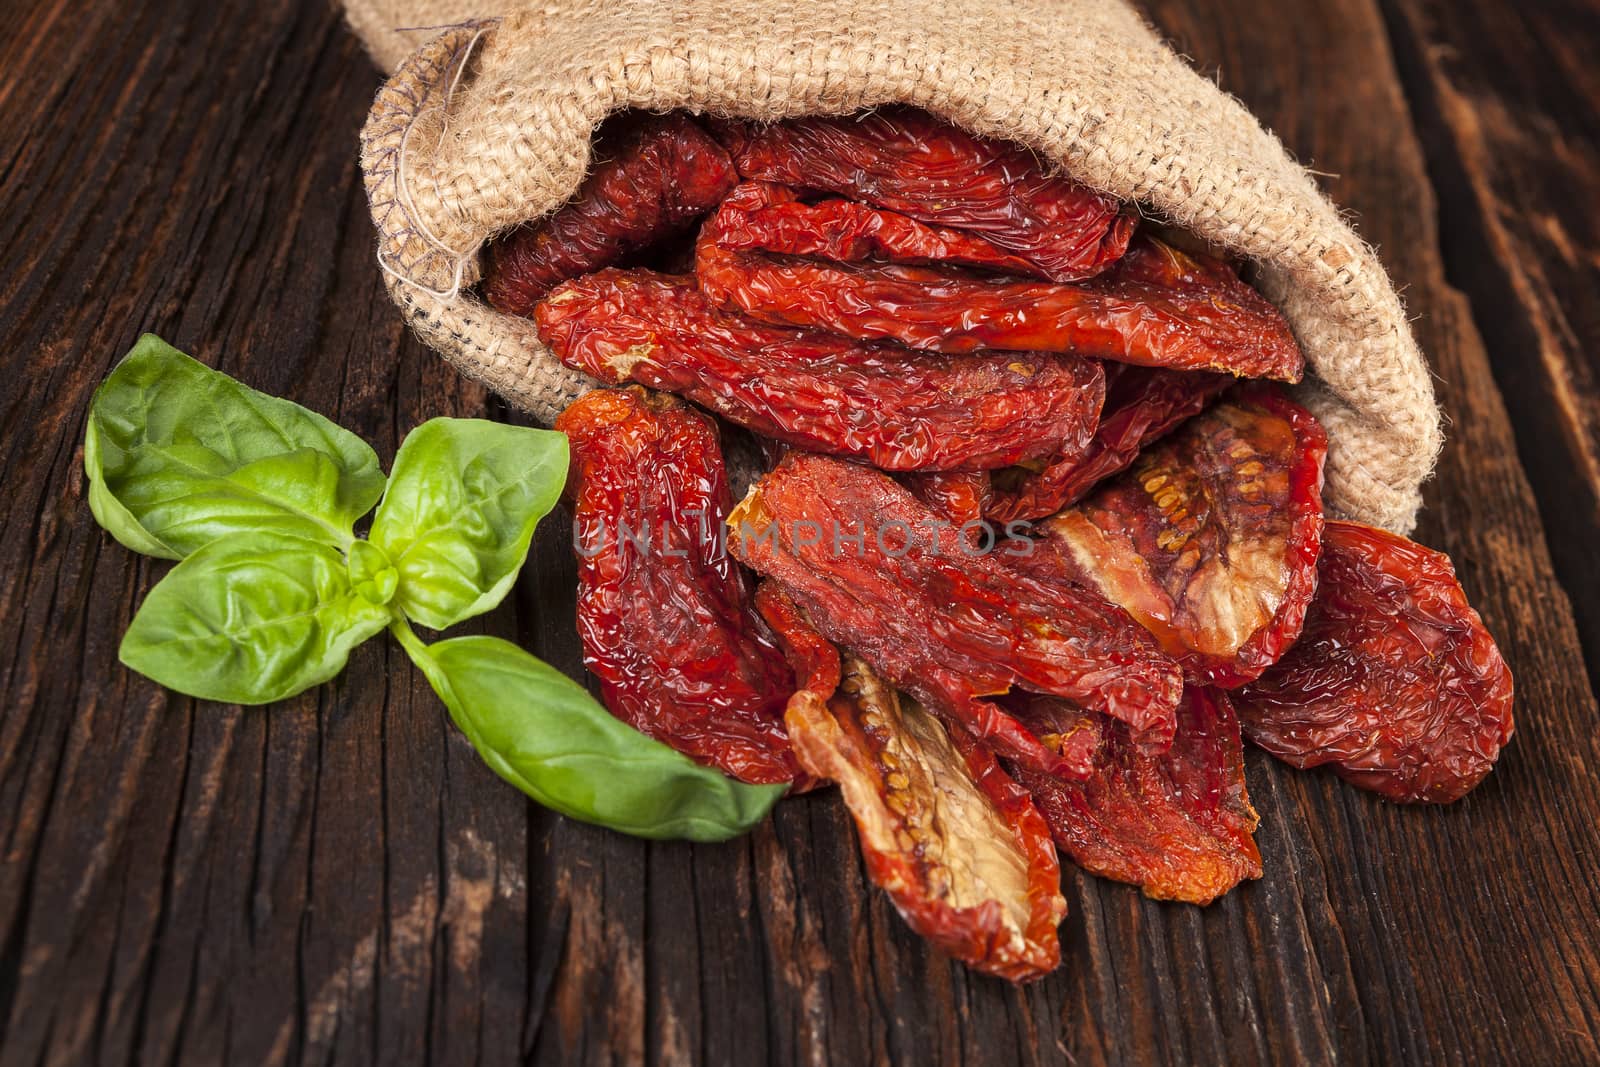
(1210, 539)
(956, 843)
(664, 613)
(1158, 307)
(660, 173)
(762, 216)
(898, 410)
(1394, 681)
(910, 162)
(1178, 824)
(878, 572)
(1143, 404)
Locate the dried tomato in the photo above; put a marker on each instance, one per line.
(958, 846)
(1210, 539)
(812, 657)
(1143, 404)
(1394, 681)
(664, 613)
(898, 410)
(1157, 307)
(1178, 824)
(912, 163)
(762, 216)
(1060, 726)
(878, 572)
(959, 496)
(956, 843)
(663, 172)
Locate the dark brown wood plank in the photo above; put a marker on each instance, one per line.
(1507, 97)
(338, 879)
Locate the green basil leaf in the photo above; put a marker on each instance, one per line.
(459, 513)
(544, 733)
(179, 455)
(251, 619)
(372, 576)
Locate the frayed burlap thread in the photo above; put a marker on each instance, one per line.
(489, 123)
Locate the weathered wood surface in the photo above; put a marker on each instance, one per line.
(339, 880)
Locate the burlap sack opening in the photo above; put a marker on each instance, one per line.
(488, 124)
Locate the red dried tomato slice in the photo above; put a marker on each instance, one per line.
(1177, 824)
(762, 216)
(898, 410)
(664, 613)
(878, 572)
(917, 165)
(812, 657)
(959, 496)
(1394, 681)
(660, 173)
(1210, 539)
(1143, 404)
(1158, 307)
(957, 844)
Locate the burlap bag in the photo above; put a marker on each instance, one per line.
(488, 123)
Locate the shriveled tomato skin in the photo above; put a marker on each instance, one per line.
(657, 174)
(1143, 404)
(1157, 307)
(763, 216)
(1210, 539)
(912, 163)
(667, 621)
(1178, 824)
(960, 496)
(878, 572)
(813, 658)
(1394, 681)
(893, 408)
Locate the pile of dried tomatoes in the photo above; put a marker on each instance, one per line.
(1040, 539)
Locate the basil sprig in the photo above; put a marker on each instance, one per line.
(258, 498)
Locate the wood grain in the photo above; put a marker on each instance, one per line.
(338, 879)
(1506, 103)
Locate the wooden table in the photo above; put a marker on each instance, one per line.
(338, 879)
